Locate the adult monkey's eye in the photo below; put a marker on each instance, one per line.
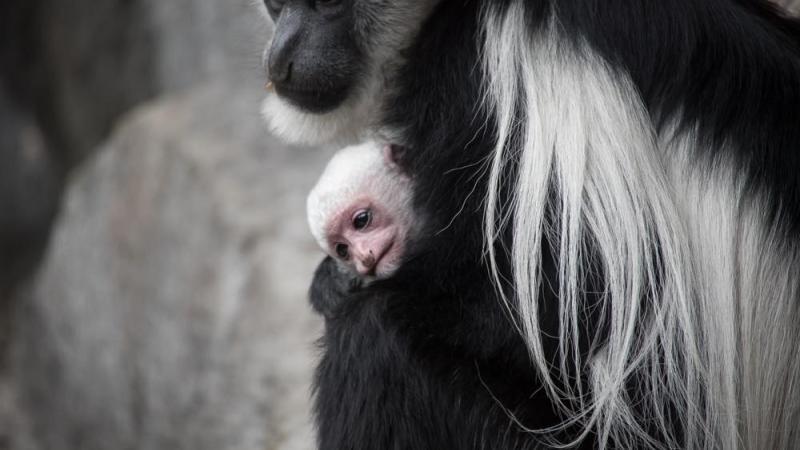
(362, 219)
(342, 250)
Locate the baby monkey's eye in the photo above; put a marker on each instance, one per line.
(342, 250)
(362, 219)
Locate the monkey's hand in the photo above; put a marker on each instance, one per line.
(331, 287)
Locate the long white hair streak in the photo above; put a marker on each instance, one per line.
(688, 284)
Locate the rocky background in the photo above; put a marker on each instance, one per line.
(154, 256)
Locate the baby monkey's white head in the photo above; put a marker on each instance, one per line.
(360, 210)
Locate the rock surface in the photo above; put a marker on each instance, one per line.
(70, 70)
(170, 311)
(81, 64)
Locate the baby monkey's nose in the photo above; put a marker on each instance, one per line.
(366, 265)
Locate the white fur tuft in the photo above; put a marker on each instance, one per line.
(343, 126)
(701, 295)
(344, 178)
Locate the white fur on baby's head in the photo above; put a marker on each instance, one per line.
(353, 171)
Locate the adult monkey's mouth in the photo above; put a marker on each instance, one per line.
(313, 100)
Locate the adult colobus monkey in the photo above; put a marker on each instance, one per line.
(619, 178)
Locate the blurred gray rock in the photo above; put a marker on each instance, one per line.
(170, 311)
(70, 69)
(83, 63)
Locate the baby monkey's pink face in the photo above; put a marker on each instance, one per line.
(360, 211)
(368, 237)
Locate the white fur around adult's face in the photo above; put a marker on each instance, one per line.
(383, 28)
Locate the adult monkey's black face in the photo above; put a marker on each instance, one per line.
(314, 60)
(330, 62)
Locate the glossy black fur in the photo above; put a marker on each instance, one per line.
(423, 361)
(730, 66)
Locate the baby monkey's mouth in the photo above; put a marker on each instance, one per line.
(380, 258)
(379, 265)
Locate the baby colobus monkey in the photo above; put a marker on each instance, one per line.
(360, 210)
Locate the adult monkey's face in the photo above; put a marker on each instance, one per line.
(314, 59)
(330, 61)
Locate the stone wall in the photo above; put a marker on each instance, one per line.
(170, 311)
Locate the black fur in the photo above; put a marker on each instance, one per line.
(424, 360)
(421, 361)
(420, 368)
(732, 67)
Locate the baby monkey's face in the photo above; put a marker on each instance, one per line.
(360, 210)
(368, 237)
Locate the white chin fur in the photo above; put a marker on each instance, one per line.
(343, 126)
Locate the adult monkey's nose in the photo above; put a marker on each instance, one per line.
(284, 46)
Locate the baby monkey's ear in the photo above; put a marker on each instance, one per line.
(395, 155)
